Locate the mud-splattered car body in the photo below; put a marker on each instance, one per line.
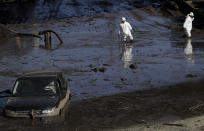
(38, 94)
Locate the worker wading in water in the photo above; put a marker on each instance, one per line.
(188, 24)
(125, 30)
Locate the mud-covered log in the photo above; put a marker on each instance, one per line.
(7, 33)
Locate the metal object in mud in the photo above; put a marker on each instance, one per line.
(47, 40)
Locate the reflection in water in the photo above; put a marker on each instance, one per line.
(127, 55)
(188, 51)
(35, 30)
(18, 42)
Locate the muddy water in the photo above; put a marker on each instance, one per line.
(93, 57)
(92, 41)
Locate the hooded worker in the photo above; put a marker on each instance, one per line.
(188, 24)
(125, 30)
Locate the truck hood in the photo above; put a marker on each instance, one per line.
(29, 103)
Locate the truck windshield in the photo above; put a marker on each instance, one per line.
(44, 86)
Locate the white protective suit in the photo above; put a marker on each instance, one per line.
(125, 30)
(188, 24)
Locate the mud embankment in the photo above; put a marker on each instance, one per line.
(44, 10)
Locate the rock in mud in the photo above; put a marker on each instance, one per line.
(102, 69)
(105, 79)
(133, 66)
(94, 70)
(99, 69)
(123, 79)
(106, 65)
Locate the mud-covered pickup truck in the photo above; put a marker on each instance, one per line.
(38, 94)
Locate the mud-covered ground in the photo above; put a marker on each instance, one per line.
(107, 93)
(173, 108)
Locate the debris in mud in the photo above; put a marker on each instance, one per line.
(133, 66)
(5, 32)
(106, 65)
(47, 38)
(94, 70)
(102, 69)
(155, 55)
(99, 69)
(123, 79)
(105, 79)
(191, 75)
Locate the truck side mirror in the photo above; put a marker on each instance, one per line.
(5, 92)
(8, 91)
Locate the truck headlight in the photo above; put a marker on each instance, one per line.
(47, 111)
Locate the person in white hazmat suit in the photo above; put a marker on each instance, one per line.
(188, 24)
(125, 30)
